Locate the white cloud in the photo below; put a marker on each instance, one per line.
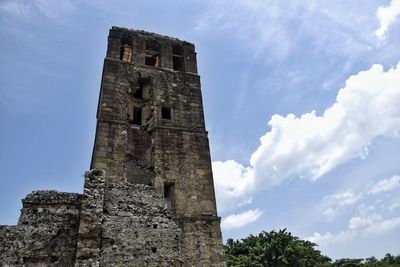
(345, 198)
(358, 226)
(240, 220)
(334, 205)
(318, 238)
(328, 238)
(387, 15)
(232, 183)
(370, 218)
(52, 9)
(311, 145)
(383, 226)
(366, 223)
(384, 185)
(360, 221)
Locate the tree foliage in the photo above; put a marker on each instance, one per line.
(273, 249)
(282, 249)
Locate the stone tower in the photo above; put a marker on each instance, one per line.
(150, 122)
(150, 130)
(149, 199)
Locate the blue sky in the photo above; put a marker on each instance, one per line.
(301, 98)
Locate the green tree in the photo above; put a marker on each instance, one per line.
(275, 249)
(348, 263)
(389, 258)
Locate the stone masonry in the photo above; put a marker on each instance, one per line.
(149, 199)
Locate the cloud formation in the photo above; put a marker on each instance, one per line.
(240, 220)
(370, 225)
(364, 220)
(311, 145)
(387, 15)
(233, 183)
(334, 205)
(385, 185)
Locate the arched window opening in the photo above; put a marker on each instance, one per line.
(126, 48)
(153, 51)
(177, 57)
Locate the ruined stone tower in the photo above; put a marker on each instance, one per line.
(149, 200)
(150, 130)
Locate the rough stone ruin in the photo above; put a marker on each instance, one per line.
(149, 198)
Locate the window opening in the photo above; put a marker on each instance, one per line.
(152, 60)
(177, 50)
(177, 57)
(169, 194)
(137, 116)
(143, 83)
(126, 53)
(126, 48)
(139, 92)
(153, 51)
(177, 63)
(166, 113)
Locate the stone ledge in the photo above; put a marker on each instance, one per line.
(52, 197)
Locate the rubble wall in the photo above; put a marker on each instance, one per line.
(46, 233)
(138, 228)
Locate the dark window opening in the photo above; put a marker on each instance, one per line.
(153, 51)
(152, 60)
(166, 113)
(142, 83)
(126, 40)
(139, 93)
(126, 48)
(177, 50)
(137, 116)
(177, 57)
(177, 63)
(169, 194)
(154, 250)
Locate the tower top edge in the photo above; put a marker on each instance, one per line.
(117, 29)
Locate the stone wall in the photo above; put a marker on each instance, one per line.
(138, 228)
(201, 240)
(125, 224)
(46, 233)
